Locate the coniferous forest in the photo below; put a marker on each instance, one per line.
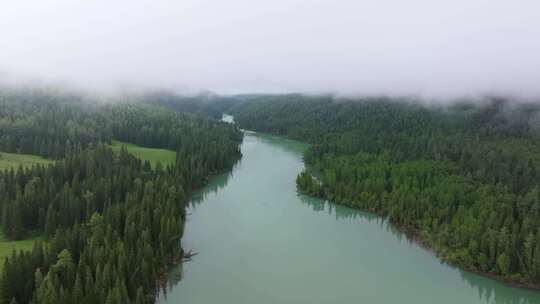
(111, 224)
(461, 178)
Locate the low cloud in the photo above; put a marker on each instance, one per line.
(349, 47)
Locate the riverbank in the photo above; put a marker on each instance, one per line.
(422, 238)
(415, 235)
(259, 241)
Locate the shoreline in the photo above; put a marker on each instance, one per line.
(414, 235)
(163, 272)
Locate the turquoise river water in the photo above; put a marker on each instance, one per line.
(259, 241)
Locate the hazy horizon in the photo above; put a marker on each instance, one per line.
(420, 48)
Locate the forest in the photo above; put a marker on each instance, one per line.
(110, 224)
(461, 178)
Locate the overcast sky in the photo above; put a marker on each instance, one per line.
(230, 46)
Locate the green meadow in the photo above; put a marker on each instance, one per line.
(14, 160)
(7, 247)
(151, 154)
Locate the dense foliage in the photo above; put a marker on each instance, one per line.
(111, 223)
(463, 178)
(49, 123)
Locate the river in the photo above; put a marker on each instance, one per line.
(259, 241)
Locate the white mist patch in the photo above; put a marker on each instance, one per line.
(422, 47)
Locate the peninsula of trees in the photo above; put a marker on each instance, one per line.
(463, 178)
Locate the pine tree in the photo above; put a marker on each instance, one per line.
(50, 221)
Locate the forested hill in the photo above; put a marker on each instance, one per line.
(111, 224)
(205, 103)
(462, 177)
(47, 123)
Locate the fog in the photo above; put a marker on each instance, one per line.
(428, 48)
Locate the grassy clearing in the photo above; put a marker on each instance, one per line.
(7, 247)
(14, 160)
(151, 154)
